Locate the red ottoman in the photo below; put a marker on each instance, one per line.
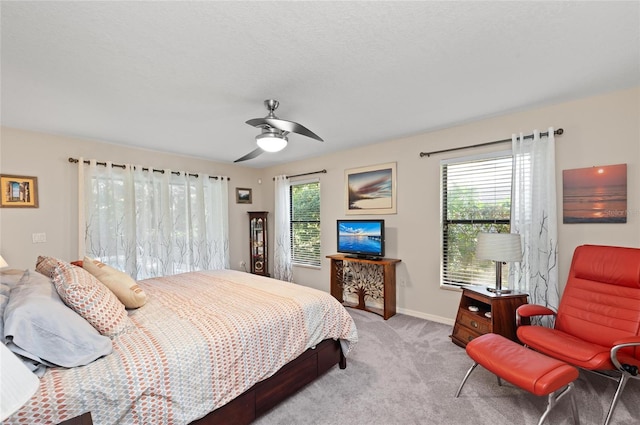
(524, 368)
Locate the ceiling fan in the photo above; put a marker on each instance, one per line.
(273, 137)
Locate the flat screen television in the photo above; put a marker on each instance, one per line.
(361, 238)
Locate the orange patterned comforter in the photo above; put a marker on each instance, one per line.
(202, 339)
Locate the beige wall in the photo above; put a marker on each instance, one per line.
(600, 130)
(46, 157)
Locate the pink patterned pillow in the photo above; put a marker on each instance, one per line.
(46, 265)
(88, 297)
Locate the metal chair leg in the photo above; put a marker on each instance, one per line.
(574, 408)
(465, 378)
(554, 398)
(621, 384)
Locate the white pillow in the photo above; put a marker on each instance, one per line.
(120, 283)
(39, 326)
(8, 280)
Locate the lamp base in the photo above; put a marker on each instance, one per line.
(499, 291)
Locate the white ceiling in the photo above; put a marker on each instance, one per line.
(185, 76)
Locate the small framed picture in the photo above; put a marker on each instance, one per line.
(18, 191)
(243, 195)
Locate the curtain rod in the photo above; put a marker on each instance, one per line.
(557, 132)
(177, 173)
(306, 174)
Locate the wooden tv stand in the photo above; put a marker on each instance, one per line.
(388, 282)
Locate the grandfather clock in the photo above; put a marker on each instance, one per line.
(258, 242)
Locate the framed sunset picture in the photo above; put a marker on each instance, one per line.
(595, 194)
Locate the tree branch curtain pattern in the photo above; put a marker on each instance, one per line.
(534, 217)
(282, 262)
(153, 224)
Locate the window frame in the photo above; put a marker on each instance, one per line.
(313, 262)
(445, 222)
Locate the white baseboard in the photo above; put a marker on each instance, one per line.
(431, 317)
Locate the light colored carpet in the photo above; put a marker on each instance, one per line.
(406, 370)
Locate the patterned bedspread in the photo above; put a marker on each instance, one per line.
(202, 339)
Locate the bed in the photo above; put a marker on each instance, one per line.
(207, 347)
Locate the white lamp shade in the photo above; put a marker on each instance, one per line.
(17, 383)
(503, 247)
(271, 142)
(3, 263)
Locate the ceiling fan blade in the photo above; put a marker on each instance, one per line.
(250, 155)
(258, 122)
(284, 125)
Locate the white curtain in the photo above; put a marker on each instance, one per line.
(282, 230)
(150, 223)
(534, 217)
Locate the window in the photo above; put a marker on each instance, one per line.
(476, 197)
(305, 223)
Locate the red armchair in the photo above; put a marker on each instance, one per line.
(597, 326)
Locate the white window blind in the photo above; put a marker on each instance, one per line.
(305, 223)
(476, 197)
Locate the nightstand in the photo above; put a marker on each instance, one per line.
(495, 314)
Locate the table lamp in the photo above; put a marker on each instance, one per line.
(3, 263)
(501, 248)
(17, 383)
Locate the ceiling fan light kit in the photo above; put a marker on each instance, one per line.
(274, 132)
(271, 142)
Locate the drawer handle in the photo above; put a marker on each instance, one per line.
(469, 338)
(474, 323)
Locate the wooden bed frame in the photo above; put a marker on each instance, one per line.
(266, 394)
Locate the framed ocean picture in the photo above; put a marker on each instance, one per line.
(595, 194)
(371, 190)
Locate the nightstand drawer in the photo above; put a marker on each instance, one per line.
(474, 321)
(464, 335)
